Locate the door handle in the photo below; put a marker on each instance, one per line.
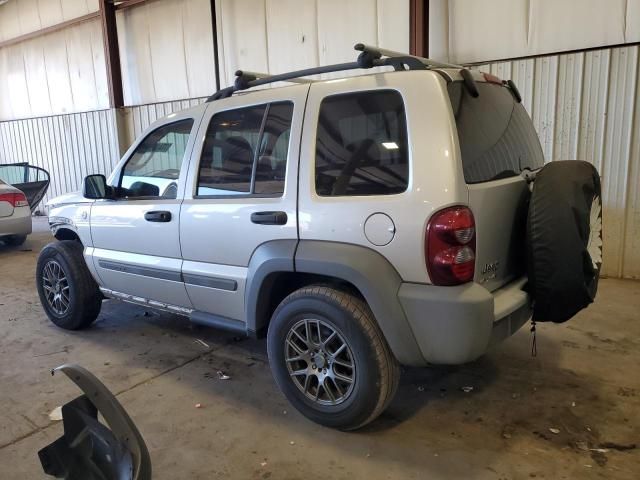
(158, 216)
(269, 218)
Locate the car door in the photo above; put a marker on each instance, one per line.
(244, 193)
(136, 244)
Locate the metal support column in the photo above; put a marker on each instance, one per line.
(214, 31)
(419, 28)
(111, 53)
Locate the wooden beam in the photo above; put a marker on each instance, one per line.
(50, 29)
(419, 28)
(111, 53)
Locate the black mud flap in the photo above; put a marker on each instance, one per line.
(564, 239)
(89, 450)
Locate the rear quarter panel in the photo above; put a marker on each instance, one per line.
(435, 179)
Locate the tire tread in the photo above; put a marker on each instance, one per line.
(362, 314)
(89, 302)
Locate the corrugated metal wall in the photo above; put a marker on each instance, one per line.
(587, 106)
(140, 117)
(68, 146)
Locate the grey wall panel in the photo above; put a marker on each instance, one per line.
(617, 153)
(587, 106)
(545, 83)
(595, 86)
(565, 142)
(68, 146)
(631, 253)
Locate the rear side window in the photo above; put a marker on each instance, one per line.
(245, 151)
(362, 145)
(496, 135)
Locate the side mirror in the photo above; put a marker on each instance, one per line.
(95, 187)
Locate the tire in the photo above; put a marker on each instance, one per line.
(64, 259)
(374, 374)
(564, 239)
(15, 240)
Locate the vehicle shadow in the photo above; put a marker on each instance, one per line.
(6, 249)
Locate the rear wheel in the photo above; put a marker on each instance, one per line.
(68, 293)
(15, 240)
(330, 358)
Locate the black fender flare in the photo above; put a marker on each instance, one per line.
(371, 273)
(268, 259)
(375, 278)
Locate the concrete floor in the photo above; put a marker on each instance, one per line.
(585, 382)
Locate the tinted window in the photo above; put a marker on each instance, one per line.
(496, 135)
(361, 145)
(274, 145)
(236, 141)
(154, 167)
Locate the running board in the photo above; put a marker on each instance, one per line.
(215, 321)
(145, 302)
(200, 318)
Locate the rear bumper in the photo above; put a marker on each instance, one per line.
(455, 325)
(17, 224)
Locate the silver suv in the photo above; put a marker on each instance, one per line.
(359, 223)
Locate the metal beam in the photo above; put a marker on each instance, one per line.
(50, 29)
(111, 53)
(419, 28)
(216, 54)
(120, 5)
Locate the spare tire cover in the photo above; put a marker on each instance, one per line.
(564, 239)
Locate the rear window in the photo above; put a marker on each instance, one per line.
(496, 135)
(362, 145)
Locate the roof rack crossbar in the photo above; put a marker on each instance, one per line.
(383, 52)
(245, 80)
(259, 75)
(369, 57)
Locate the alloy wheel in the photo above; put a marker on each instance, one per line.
(320, 361)
(56, 287)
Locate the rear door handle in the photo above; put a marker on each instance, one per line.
(158, 216)
(269, 218)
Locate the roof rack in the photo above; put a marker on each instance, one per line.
(257, 75)
(369, 57)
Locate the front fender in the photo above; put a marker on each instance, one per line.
(74, 218)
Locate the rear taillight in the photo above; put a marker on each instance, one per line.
(450, 246)
(15, 199)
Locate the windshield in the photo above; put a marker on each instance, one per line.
(497, 138)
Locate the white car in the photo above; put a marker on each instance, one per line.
(15, 215)
(403, 217)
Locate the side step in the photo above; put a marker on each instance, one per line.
(209, 320)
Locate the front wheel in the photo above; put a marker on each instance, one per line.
(68, 293)
(330, 359)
